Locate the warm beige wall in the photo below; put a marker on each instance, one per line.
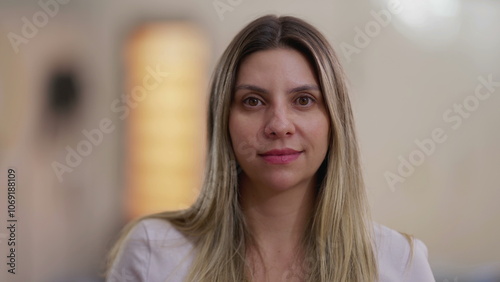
(400, 92)
(65, 227)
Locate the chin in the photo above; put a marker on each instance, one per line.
(280, 186)
(278, 180)
(281, 181)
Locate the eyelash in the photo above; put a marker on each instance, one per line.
(311, 100)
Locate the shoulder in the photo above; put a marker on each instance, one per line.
(153, 250)
(395, 259)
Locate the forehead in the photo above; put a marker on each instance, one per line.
(276, 66)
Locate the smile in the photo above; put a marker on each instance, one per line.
(282, 156)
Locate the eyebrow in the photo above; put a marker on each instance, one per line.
(304, 87)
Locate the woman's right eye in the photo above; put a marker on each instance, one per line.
(252, 101)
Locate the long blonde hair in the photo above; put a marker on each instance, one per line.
(338, 245)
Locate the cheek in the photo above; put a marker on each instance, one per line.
(317, 129)
(242, 133)
(235, 128)
(321, 138)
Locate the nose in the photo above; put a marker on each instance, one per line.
(279, 123)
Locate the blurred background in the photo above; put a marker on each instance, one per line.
(102, 117)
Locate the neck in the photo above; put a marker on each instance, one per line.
(277, 219)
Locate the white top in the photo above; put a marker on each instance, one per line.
(155, 251)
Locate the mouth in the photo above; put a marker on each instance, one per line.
(281, 156)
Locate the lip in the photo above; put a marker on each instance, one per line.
(281, 156)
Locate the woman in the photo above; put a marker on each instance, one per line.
(283, 197)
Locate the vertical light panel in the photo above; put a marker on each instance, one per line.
(166, 127)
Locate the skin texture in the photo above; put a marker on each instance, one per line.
(265, 114)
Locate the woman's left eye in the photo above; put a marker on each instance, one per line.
(304, 100)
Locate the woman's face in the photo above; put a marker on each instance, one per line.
(278, 122)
